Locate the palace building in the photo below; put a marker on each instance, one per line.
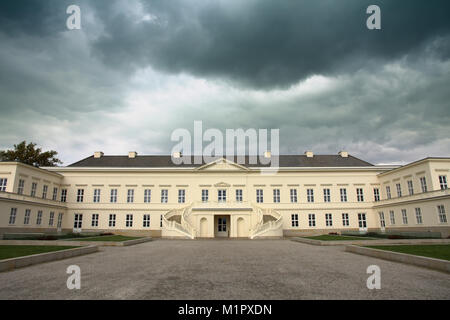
(150, 195)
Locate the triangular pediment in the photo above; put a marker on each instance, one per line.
(222, 165)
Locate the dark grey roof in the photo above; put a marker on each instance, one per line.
(166, 161)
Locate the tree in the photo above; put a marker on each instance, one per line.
(29, 154)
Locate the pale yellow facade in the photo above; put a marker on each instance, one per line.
(234, 207)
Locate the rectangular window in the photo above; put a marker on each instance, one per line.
(294, 220)
(21, 186)
(345, 220)
(94, 220)
(129, 221)
(362, 222)
(12, 216)
(63, 195)
(418, 215)
(410, 187)
(423, 184)
(343, 195)
(276, 195)
(112, 220)
(310, 195)
(326, 195)
(392, 216)
(96, 195)
(164, 196)
(312, 220)
(443, 182)
(222, 195)
(205, 195)
(328, 220)
(78, 221)
(146, 221)
(80, 195)
(3, 182)
(388, 192)
(442, 215)
(181, 196)
(39, 218)
(113, 197)
(360, 194)
(26, 219)
(293, 195)
(160, 221)
(399, 190)
(130, 196)
(60, 216)
(147, 195)
(404, 216)
(51, 219)
(376, 194)
(239, 197)
(55, 194)
(44, 192)
(33, 189)
(382, 221)
(259, 196)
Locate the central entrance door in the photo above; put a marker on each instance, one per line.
(222, 226)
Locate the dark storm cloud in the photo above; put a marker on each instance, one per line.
(268, 43)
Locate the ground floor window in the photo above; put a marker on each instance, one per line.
(442, 215)
(418, 216)
(51, 218)
(160, 221)
(328, 220)
(312, 219)
(12, 216)
(392, 216)
(95, 220)
(294, 220)
(404, 216)
(112, 220)
(78, 221)
(362, 222)
(129, 221)
(382, 221)
(345, 220)
(60, 216)
(39, 218)
(146, 222)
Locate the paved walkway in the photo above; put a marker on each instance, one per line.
(221, 269)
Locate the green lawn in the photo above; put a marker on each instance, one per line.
(13, 251)
(328, 237)
(117, 238)
(438, 251)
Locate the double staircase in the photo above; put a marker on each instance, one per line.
(175, 223)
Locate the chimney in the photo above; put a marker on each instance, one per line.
(267, 154)
(176, 155)
(343, 154)
(98, 154)
(309, 154)
(132, 154)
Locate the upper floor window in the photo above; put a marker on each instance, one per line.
(326, 195)
(96, 195)
(443, 182)
(259, 196)
(388, 192)
(328, 220)
(222, 195)
(294, 220)
(360, 194)
(113, 197)
(3, 182)
(239, 197)
(55, 194)
(410, 187)
(21, 186)
(376, 194)
(310, 195)
(44, 192)
(63, 195)
(399, 190)
(205, 195)
(343, 195)
(293, 195)
(80, 195)
(130, 196)
(423, 184)
(392, 216)
(181, 196)
(442, 215)
(147, 195)
(164, 196)
(33, 189)
(404, 216)
(418, 215)
(276, 195)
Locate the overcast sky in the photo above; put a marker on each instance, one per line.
(138, 70)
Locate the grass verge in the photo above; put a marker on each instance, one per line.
(328, 237)
(438, 251)
(13, 251)
(115, 238)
